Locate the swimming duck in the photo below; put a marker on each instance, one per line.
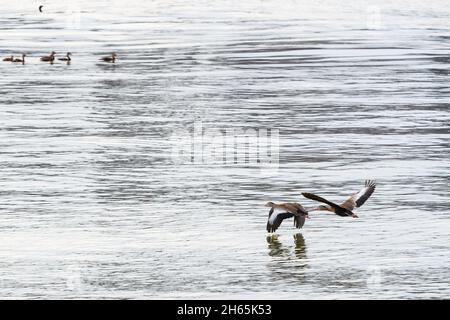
(20, 60)
(49, 58)
(111, 59)
(10, 59)
(279, 212)
(66, 58)
(346, 208)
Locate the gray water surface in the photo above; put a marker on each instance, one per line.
(93, 206)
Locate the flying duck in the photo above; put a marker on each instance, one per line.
(49, 58)
(346, 208)
(279, 212)
(10, 59)
(66, 58)
(20, 60)
(110, 59)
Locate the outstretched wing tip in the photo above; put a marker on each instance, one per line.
(360, 198)
(370, 183)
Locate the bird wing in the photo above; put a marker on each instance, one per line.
(299, 221)
(270, 220)
(320, 199)
(358, 199)
(275, 220)
(295, 208)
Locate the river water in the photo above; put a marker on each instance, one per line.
(94, 204)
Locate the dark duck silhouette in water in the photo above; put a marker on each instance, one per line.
(66, 58)
(9, 59)
(20, 60)
(111, 59)
(49, 58)
(346, 208)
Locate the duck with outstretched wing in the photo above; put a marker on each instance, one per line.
(346, 208)
(279, 212)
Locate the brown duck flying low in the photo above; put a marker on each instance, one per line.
(279, 212)
(346, 208)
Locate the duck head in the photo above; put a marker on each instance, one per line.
(269, 204)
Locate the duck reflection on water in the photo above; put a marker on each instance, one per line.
(277, 249)
(300, 246)
(287, 261)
